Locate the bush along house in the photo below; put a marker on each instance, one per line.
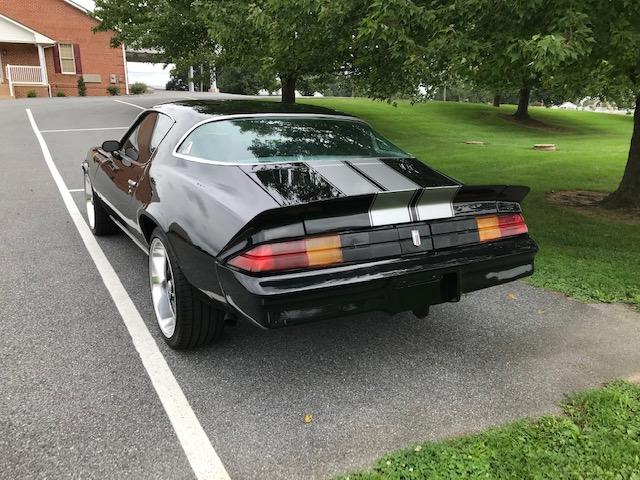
(46, 46)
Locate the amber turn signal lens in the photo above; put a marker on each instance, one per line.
(324, 250)
(488, 228)
(494, 227)
(305, 253)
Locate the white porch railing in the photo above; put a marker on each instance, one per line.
(24, 75)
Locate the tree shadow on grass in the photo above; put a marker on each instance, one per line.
(589, 203)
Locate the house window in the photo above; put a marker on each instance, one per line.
(67, 60)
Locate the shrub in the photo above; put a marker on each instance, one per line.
(32, 94)
(60, 94)
(113, 90)
(177, 83)
(245, 80)
(138, 88)
(82, 87)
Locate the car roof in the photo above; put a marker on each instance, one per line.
(197, 110)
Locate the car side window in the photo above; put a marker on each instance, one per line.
(163, 125)
(137, 146)
(130, 145)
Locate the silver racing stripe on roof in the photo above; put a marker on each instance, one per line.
(383, 175)
(343, 177)
(436, 202)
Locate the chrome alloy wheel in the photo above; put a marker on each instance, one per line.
(163, 291)
(88, 200)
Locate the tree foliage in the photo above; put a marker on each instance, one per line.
(613, 63)
(400, 45)
(247, 80)
(388, 47)
(173, 27)
(289, 39)
(517, 45)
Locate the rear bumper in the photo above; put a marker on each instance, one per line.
(392, 286)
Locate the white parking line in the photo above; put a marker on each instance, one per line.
(196, 445)
(83, 129)
(73, 190)
(130, 104)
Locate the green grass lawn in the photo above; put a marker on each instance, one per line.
(597, 437)
(590, 258)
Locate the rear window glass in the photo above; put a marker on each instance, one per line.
(257, 140)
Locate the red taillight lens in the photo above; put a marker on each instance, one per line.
(494, 227)
(513, 224)
(309, 252)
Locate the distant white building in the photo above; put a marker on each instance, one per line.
(568, 106)
(155, 75)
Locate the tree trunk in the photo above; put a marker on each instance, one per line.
(497, 100)
(523, 104)
(628, 193)
(288, 88)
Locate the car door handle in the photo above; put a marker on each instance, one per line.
(111, 164)
(132, 184)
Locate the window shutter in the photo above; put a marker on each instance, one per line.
(76, 55)
(56, 59)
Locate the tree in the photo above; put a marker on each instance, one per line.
(379, 44)
(612, 72)
(402, 45)
(180, 77)
(172, 27)
(290, 39)
(569, 47)
(244, 81)
(518, 46)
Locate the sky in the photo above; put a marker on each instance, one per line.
(85, 3)
(153, 74)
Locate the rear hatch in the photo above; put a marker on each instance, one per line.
(374, 209)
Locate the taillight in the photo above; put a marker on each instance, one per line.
(305, 253)
(494, 227)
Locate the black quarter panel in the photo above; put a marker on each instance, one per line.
(200, 207)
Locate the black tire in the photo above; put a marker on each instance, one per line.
(197, 321)
(102, 223)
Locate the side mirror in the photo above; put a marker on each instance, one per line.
(111, 146)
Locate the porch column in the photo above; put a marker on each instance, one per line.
(214, 81)
(43, 65)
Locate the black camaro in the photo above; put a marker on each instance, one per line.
(282, 214)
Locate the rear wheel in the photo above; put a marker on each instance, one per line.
(185, 318)
(97, 215)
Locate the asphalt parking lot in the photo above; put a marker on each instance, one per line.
(76, 400)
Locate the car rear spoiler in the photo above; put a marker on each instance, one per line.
(368, 211)
(492, 193)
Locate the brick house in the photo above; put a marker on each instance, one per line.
(47, 45)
